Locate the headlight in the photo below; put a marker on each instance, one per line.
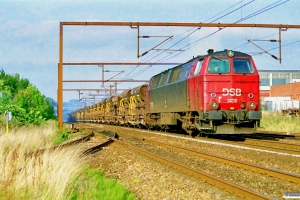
(214, 105)
(230, 53)
(251, 105)
(243, 105)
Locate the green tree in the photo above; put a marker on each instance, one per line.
(36, 107)
(11, 83)
(24, 100)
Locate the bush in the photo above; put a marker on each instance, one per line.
(27, 104)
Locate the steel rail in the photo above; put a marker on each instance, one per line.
(269, 148)
(273, 143)
(97, 148)
(279, 150)
(222, 184)
(283, 135)
(295, 178)
(67, 144)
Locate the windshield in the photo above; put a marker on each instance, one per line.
(242, 66)
(218, 65)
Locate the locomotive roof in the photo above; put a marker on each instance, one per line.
(217, 53)
(223, 53)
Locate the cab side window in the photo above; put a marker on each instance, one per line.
(198, 67)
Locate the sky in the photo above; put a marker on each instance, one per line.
(29, 38)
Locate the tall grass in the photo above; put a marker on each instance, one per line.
(55, 174)
(274, 121)
(43, 176)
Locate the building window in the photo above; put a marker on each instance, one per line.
(279, 81)
(264, 82)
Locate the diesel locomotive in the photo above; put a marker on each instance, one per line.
(217, 93)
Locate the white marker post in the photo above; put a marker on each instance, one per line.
(8, 118)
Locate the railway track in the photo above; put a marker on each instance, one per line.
(264, 145)
(89, 150)
(290, 177)
(225, 185)
(281, 135)
(67, 144)
(280, 147)
(283, 145)
(217, 182)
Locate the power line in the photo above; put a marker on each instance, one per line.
(210, 22)
(278, 47)
(271, 6)
(223, 11)
(258, 39)
(247, 17)
(262, 10)
(192, 33)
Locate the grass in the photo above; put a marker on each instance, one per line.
(91, 184)
(58, 174)
(274, 121)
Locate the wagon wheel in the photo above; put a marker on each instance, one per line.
(190, 132)
(164, 128)
(297, 113)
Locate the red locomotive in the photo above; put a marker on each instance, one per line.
(217, 93)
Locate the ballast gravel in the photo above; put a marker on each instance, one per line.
(149, 179)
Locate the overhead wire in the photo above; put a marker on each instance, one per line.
(247, 17)
(210, 22)
(271, 6)
(189, 35)
(258, 39)
(278, 47)
(262, 10)
(149, 55)
(195, 29)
